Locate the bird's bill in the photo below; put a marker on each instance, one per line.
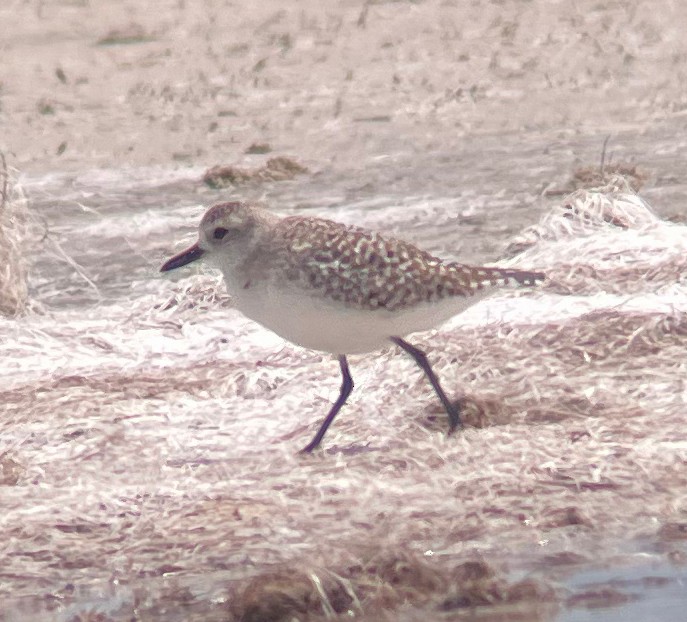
(184, 257)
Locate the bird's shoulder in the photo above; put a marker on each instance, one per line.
(324, 242)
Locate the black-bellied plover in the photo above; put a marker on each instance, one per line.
(339, 289)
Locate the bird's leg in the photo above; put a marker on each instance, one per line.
(421, 359)
(346, 388)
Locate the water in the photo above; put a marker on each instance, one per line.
(656, 592)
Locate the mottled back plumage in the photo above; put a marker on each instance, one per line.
(365, 270)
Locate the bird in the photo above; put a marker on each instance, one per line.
(337, 288)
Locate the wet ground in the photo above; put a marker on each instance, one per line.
(117, 226)
(424, 120)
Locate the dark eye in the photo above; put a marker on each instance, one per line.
(219, 233)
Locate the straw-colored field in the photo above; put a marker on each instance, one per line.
(151, 462)
(149, 433)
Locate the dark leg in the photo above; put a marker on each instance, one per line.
(346, 388)
(421, 359)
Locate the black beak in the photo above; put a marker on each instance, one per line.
(190, 254)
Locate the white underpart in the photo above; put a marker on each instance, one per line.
(313, 321)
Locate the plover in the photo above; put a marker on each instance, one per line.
(340, 289)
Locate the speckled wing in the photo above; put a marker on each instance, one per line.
(364, 270)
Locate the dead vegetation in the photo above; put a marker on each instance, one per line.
(130, 35)
(161, 435)
(279, 168)
(587, 177)
(14, 231)
(592, 177)
(258, 148)
(373, 589)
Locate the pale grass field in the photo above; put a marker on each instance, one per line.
(149, 466)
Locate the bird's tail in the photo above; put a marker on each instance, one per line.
(471, 280)
(506, 276)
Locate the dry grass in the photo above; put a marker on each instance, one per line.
(280, 168)
(585, 177)
(148, 460)
(14, 228)
(374, 588)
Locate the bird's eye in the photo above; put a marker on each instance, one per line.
(219, 233)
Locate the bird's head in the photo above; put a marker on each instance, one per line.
(224, 234)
